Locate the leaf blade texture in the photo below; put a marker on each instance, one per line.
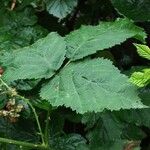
(137, 10)
(143, 51)
(40, 60)
(89, 39)
(92, 85)
(60, 8)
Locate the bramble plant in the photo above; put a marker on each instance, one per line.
(64, 81)
(142, 78)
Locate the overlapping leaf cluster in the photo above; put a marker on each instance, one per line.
(72, 72)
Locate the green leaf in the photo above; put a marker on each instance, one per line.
(92, 85)
(109, 129)
(19, 131)
(68, 142)
(19, 29)
(25, 85)
(17, 18)
(137, 10)
(41, 104)
(60, 8)
(144, 94)
(143, 51)
(142, 78)
(90, 120)
(89, 39)
(116, 145)
(40, 60)
(139, 117)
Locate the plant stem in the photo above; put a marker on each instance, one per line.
(10, 89)
(36, 116)
(47, 128)
(28, 102)
(20, 143)
(67, 63)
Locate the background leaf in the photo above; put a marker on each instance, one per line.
(19, 28)
(110, 132)
(137, 10)
(69, 142)
(60, 8)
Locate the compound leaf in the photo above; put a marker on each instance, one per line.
(92, 85)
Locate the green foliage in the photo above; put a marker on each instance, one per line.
(110, 129)
(60, 8)
(69, 142)
(89, 39)
(62, 85)
(137, 10)
(25, 84)
(142, 78)
(18, 29)
(41, 60)
(77, 82)
(92, 85)
(143, 51)
(135, 116)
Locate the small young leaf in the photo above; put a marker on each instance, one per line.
(143, 51)
(142, 78)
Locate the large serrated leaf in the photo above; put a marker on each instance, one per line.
(89, 39)
(92, 85)
(40, 60)
(60, 8)
(108, 128)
